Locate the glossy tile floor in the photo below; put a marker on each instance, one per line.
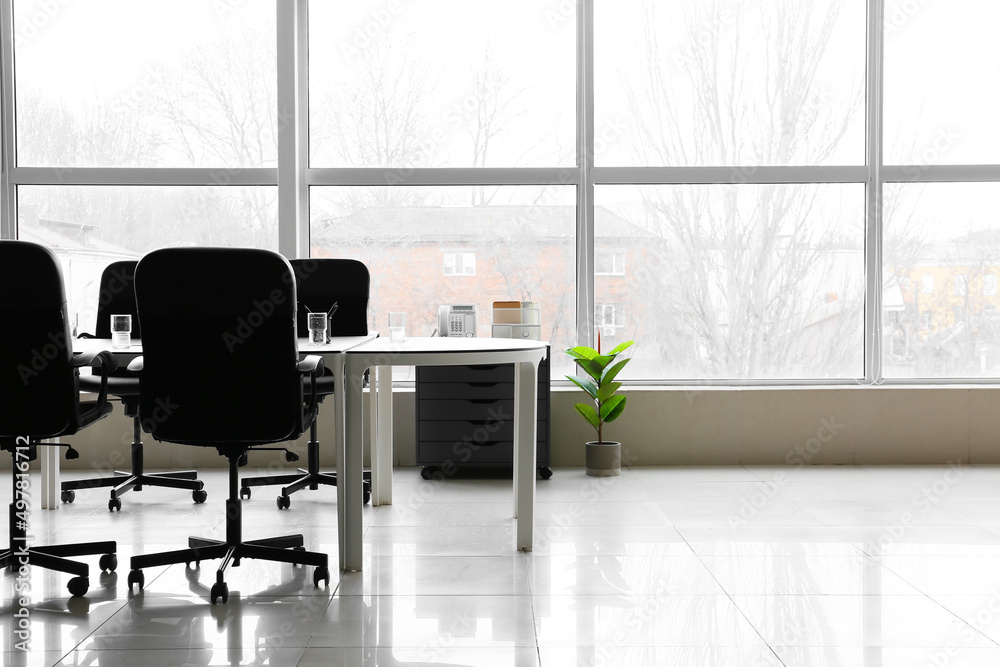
(804, 567)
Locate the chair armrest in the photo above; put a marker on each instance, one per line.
(84, 334)
(103, 360)
(135, 366)
(311, 365)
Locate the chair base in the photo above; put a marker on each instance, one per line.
(18, 555)
(125, 481)
(136, 478)
(54, 557)
(310, 477)
(284, 549)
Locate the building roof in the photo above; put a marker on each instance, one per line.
(417, 224)
(71, 238)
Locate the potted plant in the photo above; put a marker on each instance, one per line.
(603, 456)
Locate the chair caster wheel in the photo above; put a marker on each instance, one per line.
(67, 496)
(427, 472)
(321, 574)
(136, 577)
(284, 502)
(545, 472)
(108, 562)
(220, 591)
(115, 505)
(78, 586)
(199, 496)
(366, 498)
(245, 493)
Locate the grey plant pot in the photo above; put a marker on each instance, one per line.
(604, 459)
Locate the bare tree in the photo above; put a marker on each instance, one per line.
(736, 265)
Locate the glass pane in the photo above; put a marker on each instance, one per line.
(940, 314)
(942, 61)
(118, 83)
(735, 282)
(724, 82)
(520, 246)
(88, 227)
(441, 83)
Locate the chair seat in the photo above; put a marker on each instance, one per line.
(117, 386)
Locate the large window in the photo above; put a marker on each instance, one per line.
(756, 192)
(523, 250)
(739, 281)
(185, 83)
(440, 83)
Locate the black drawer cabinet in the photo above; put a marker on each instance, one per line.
(465, 417)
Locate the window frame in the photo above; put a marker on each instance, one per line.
(293, 177)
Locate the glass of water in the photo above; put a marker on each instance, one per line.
(121, 331)
(397, 327)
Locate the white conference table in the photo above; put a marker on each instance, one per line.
(380, 355)
(332, 353)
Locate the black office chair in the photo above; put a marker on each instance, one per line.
(339, 287)
(40, 396)
(117, 297)
(220, 368)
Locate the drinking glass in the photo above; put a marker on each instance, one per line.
(397, 327)
(317, 328)
(121, 331)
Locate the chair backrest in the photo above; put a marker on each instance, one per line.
(38, 387)
(323, 282)
(219, 346)
(117, 297)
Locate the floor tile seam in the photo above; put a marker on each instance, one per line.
(939, 604)
(732, 601)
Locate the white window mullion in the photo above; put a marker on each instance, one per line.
(873, 195)
(8, 211)
(293, 234)
(585, 164)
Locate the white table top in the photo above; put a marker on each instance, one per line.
(420, 345)
(336, 345)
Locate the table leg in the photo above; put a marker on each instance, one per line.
(48, 461)
(525, 450)
(350, 455)
(382, 439)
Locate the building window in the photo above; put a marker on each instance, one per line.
(990, 284)
(926, 319)
(961, 285)
(927, 284)
(608, 318)
(460, 264)
(609, 263)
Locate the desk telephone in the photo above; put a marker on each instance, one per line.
(457, 321)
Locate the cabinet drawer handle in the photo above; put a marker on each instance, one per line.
(482, 384)
(482, 401)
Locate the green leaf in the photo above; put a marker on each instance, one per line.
(624, 346)
(582, 352)
(613, 407)
(585, 384)
(612, 372)
(595, 367)
(589, 413)
(607, 390)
